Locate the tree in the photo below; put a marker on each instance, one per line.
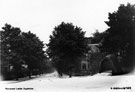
(98, 37)
(120, 34)
(66, 45)
(21, 48)
(32, 51)
(10, 37)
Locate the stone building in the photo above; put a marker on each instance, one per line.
(90, 61)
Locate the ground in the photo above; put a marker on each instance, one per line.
(52, 83)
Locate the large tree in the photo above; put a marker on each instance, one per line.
(32, 51)
(120, 34)
(19, 48)
(9, 36)
(66, 46)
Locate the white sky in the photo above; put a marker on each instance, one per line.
(41, 16)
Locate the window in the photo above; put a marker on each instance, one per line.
(84, 66)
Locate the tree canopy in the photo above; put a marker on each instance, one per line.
(21, 48)
(66, 45)
(120, 34)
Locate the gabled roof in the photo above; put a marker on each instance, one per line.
(94, 48)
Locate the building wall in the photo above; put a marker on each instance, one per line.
(90, 63)
(94, 62)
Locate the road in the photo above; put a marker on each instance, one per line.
(52, 83)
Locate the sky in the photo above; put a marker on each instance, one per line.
(41, 16)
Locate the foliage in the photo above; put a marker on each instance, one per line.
(66, 46)
(32, 50)
(98, 37)
(120, 34)
(21, 48)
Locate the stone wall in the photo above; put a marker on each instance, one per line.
(94, 62)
